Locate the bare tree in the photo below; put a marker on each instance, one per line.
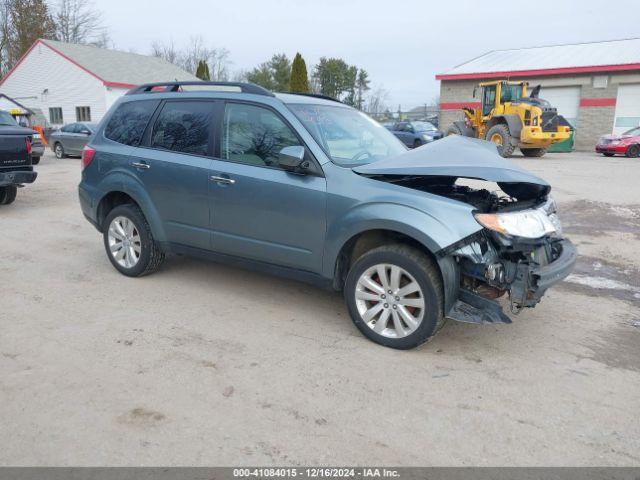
(78, 21)
(196, 51)
(377, 100)
(4, 37)
(167, 51)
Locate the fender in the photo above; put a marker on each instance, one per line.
(385, 216)
(124, 181)
(513, 122)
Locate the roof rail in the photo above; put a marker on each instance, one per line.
(175, 87)
(316, 95)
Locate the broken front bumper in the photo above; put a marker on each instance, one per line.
(526, 284)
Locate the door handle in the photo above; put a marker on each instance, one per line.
(146, 166)
(223, 180)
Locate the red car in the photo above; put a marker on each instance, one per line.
(626, 144)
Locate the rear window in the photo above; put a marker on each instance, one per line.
(128, 122)
(184, 127)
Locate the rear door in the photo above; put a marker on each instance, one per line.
(261, 211)
(174, 166)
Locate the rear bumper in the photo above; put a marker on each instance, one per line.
(37, 150)
(17, 177)
(88, 204)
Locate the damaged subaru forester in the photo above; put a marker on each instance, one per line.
(307, 187)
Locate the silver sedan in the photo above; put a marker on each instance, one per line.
(71, 139)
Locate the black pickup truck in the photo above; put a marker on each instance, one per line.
(15, 158)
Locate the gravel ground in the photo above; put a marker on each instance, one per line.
(202, 364)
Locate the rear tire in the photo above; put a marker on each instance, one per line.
(633, 151)
(58, 150)
(533, 152)
(501, 137)
(391, 308)
(8, 194)
(140, 245)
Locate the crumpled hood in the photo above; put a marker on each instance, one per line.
(616, 137)
(456, 156)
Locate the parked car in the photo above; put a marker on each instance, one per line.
(626, 144)
(244, 176)
(71, 139)
(415, 134)
(15, 158)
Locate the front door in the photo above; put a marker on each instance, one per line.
(174, 168)
(261, 211)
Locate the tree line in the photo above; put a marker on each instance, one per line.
(22, 22)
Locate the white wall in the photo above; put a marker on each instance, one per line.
(112, 94)
(68, 86)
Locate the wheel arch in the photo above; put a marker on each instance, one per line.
(120, 191)
(513, 122)
(364, 241)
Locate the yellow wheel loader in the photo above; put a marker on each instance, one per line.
(511, 119)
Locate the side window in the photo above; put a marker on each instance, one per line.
(68, 128)
(183, 127)
(128, 122)
(83, 114)
(55, 115)
(254, 135)
(488, 99)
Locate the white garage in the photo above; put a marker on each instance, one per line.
(627, 108)
(565, 99)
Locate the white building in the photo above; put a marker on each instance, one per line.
(70, 82)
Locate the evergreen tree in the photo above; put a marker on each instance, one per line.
(273, 74)
(202, 72)
(28, 20)
(299, 82)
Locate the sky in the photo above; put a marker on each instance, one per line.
(401, 44)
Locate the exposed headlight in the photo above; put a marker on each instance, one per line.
(527, 223)
(427, 138)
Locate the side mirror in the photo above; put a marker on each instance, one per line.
(85, 132)
(291, 158)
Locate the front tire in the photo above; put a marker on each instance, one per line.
(59, 151)
(8, 194)
(533, 152)
(608, 154)
(500, 135)
(394, 296)
(633, 151)
(416, 143)
(129, 243)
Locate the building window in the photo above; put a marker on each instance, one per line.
(83, 114)
(55, 115)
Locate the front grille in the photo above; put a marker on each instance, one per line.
(550, 120)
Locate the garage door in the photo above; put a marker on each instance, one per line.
(565, 99)
(627, 108)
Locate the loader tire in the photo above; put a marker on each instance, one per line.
(505, 142)
(533, 152)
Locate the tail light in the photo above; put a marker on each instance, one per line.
(28, 145)
(87, 155)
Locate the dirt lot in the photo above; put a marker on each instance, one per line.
(210, 365)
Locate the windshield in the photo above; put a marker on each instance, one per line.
(7, 119)
(510, 93)
(423, 126)
(348, 136)
(632, 132)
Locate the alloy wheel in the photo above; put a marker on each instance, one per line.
(389, 300)
(124, 242)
